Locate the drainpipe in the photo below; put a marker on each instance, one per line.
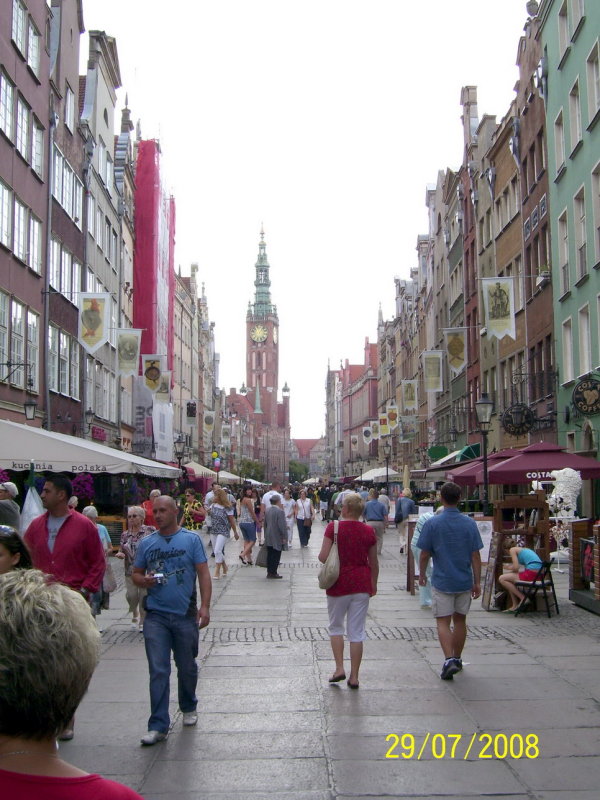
(52, 123)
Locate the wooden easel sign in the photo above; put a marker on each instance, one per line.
(490, 572)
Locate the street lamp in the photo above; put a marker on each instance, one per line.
(179, 447)
(387, 452)
(483, 408)
(30, 407)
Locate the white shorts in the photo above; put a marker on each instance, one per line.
(354, 608)
(445, 604)
(323, 504)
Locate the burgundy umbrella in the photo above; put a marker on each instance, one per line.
(471, 474)
(536, 462)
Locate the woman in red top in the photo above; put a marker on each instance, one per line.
(348, 598)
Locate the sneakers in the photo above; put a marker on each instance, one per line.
(152, 737)
(450, 668)
(190, 718)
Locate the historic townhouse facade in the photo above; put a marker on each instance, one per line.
(25, 148)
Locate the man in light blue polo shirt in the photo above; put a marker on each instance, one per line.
(167, 563)
(454, 541)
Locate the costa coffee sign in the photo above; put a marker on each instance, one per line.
(586, 396)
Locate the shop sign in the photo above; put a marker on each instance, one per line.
(586, 397)
(98, 433)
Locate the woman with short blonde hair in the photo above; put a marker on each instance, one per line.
(130, 538)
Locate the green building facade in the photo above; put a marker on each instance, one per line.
(569, 76)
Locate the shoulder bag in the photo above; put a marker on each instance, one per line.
(261, 558)
(330, 571)
(307, 519)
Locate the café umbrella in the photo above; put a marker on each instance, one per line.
(471, 474)
(537, 462)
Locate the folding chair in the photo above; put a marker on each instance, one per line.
(543, 583)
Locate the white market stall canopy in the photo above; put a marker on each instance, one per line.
(200, 471)
(57, 452)
(228, 476)
(379, 474)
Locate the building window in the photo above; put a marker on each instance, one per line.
(91, 215)
(5, 215)
(18, 25)
(74, 369)
(23, 126)
(563, 248)
(559, 142)
(567, 347)
(76, 282)
(70, 109)
(66, 266)
(563, 29)
(33, 360)
(585, 345)
(596, 207)
(67, 198)
(63, 363)
(575, 115)
(578, 12)
(37, 149)
(35, 244)
(593, 83)
(52, 358)
(99, 226)
(57, 186)
(580, 233)
(17, 342)
(33, 48)
(20, 238)
(7, 97)
(4, 302)
(77, 202)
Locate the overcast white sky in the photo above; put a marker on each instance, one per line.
(324, 119)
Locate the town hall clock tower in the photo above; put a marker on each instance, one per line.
(262, 342)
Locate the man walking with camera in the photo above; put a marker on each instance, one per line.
(167, 563)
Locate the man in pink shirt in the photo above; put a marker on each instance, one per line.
(65, 544)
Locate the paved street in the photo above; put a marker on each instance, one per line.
(270, 726)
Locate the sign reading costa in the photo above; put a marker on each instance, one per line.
(586, 396)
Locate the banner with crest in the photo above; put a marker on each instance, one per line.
(456, 348)
(432, 370)
(499, 306)
(153, 366)
(93, 320)
(128, 350)
(409, 395)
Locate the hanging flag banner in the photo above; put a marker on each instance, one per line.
(499, 305)
(456, 348)
(384, 428)
(93, 320)
(225, 436)
(408, 428)
(432, 370)
(209, 421)
(392, 415)
(152, 368)
(375, 429)
(163, 393)
(367, 434)
(409, 395)
(128, 349)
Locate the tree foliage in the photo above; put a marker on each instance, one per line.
(298, 472)
(252, 469)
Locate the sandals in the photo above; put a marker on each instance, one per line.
(242, 559)
(338, 678)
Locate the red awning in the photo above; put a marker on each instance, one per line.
(471, 474)
(538, 461)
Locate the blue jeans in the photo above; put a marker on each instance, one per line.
(163, 633)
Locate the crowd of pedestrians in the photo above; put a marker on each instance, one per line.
(166, 564)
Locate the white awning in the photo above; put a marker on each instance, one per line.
(58, 452)
(379, 474)
(200, 471)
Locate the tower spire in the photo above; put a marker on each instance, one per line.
(262, 283)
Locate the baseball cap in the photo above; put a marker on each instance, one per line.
(10, 488)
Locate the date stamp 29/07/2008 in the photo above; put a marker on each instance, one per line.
(462, 746)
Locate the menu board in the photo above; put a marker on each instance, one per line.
(488, 584)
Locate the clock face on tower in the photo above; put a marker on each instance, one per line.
(258, 333)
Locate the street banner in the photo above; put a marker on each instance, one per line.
(225, 436)
(93, 320)
(408, 428)
(456, 348)
(375, 429)
(392, 415)
(152, 369)
(499, 306)
(432, 370)
(163, 393)
(209, 421)
(128, 349)
(384, 428)
(409, 395)
(367, 434)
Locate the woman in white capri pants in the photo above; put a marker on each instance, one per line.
(348, 598)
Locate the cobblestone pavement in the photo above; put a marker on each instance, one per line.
(522, 720)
